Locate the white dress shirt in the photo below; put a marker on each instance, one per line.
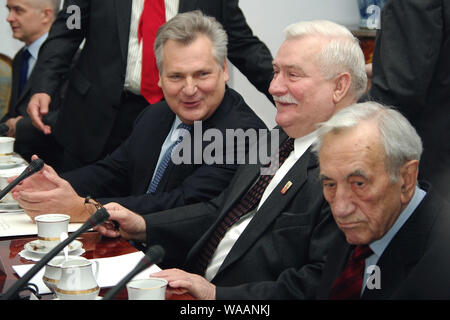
(134, 59)
(231, 236)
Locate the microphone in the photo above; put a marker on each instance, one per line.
(34, 166)
(98, 217)
(153, 255)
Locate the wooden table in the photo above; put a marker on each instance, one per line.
(95, 245)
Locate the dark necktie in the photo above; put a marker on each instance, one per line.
(24, 69)
(152, 17)
(247, 202)
(348, 285)
(164, 163)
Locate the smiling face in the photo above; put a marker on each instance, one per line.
(27, 22)
(192, 81)
(364, 201)
(302, 95)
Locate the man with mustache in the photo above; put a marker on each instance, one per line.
(267, 235)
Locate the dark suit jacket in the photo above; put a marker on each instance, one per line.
(96, 83)
(30, 140)
(411, 70)
(414, 265)
(280, 254)
(125, 175)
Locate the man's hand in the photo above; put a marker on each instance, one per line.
(12, 123)
(180, 282)
(132, 225)
(38, 107)
(46, 192)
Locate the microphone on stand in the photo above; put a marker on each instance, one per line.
(154, 255)
(98, 217)
(34, 166)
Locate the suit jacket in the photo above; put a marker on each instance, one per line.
(30, 140)
(125, 175)
(415, 263)
(279, 255)
(97, 82)
(411, 71)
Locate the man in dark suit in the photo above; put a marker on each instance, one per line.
(395, 241)
(30, 22)
(192, 51)
(411, 71)
(104, 92)
(283, 227)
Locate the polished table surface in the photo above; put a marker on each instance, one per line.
(95, 245)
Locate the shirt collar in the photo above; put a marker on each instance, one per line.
(303, 143)
(34, 47)
(380, 245)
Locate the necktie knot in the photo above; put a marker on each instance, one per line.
(361, 252)
(26, 54)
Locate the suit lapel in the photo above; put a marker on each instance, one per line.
(272, 207)
(123, 18)
(405, 249)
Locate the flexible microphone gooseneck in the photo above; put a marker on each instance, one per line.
(153, 255)
(34, 166)
(98, 217)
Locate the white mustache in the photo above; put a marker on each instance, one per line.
(286, 99)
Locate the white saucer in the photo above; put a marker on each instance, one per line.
(36, 246)
(96, 298)
(11, 163)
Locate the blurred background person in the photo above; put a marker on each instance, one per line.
(395, 230)
(30, 21)
(411, 70)
(116, 76)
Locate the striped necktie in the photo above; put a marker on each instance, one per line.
(167, 158)
(247, 203)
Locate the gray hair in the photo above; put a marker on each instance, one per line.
(399, 138)
(186, 28)
(342, 53)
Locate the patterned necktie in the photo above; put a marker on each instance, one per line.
(167, 158)
(348, 285)
(153, 16)
(24, 69)
(247, 202)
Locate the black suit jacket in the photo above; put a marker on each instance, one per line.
(414, 265)
(125, 175)
(96, 84)
(411, 70)
(30, 140)
(280, 254)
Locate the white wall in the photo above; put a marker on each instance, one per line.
(267, 18)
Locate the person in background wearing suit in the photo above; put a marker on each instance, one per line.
(191, 51)
(30, 21)
(395, 231)
(106, 90)
(411, 70)
(283, 227)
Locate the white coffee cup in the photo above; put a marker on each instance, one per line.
(52, 273)
(6, 148)
(78, 281)
(50, 227)
(147, 289)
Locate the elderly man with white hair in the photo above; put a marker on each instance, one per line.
(395, 231)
